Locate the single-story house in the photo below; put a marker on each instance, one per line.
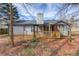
(50, 27)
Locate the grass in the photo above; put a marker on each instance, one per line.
(35, 49)
(77, 53)
(27, 52)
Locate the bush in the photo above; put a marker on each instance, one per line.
(34, 40)
(3, 31)
(71, 39)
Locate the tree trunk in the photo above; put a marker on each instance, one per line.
(11, 24)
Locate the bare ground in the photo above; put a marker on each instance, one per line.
(57, 47)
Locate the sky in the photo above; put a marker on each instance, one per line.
(29, 11)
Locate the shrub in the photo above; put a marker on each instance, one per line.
(3, 31)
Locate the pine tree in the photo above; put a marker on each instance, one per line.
(4, 11)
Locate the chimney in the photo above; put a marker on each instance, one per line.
(40, 18)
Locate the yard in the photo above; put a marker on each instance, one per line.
(50, 47)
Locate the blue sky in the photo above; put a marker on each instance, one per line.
(49, 10)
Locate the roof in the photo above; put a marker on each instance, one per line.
(62, 22)
(33, 22)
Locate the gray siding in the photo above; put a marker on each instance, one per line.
(19, 30)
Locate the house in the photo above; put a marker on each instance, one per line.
(50, 28)
(74, 26)
(3, 28)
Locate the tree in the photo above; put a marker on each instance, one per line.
(11, 24)
(10, 13)
(4, 11)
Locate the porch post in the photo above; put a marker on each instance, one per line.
(49, 29)
(42, 29)
(34, 36)
(23, 32)
(37, 29)
(70, 31)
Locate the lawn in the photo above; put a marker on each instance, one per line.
(53, 47)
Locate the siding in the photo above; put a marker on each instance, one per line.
(18, 30)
